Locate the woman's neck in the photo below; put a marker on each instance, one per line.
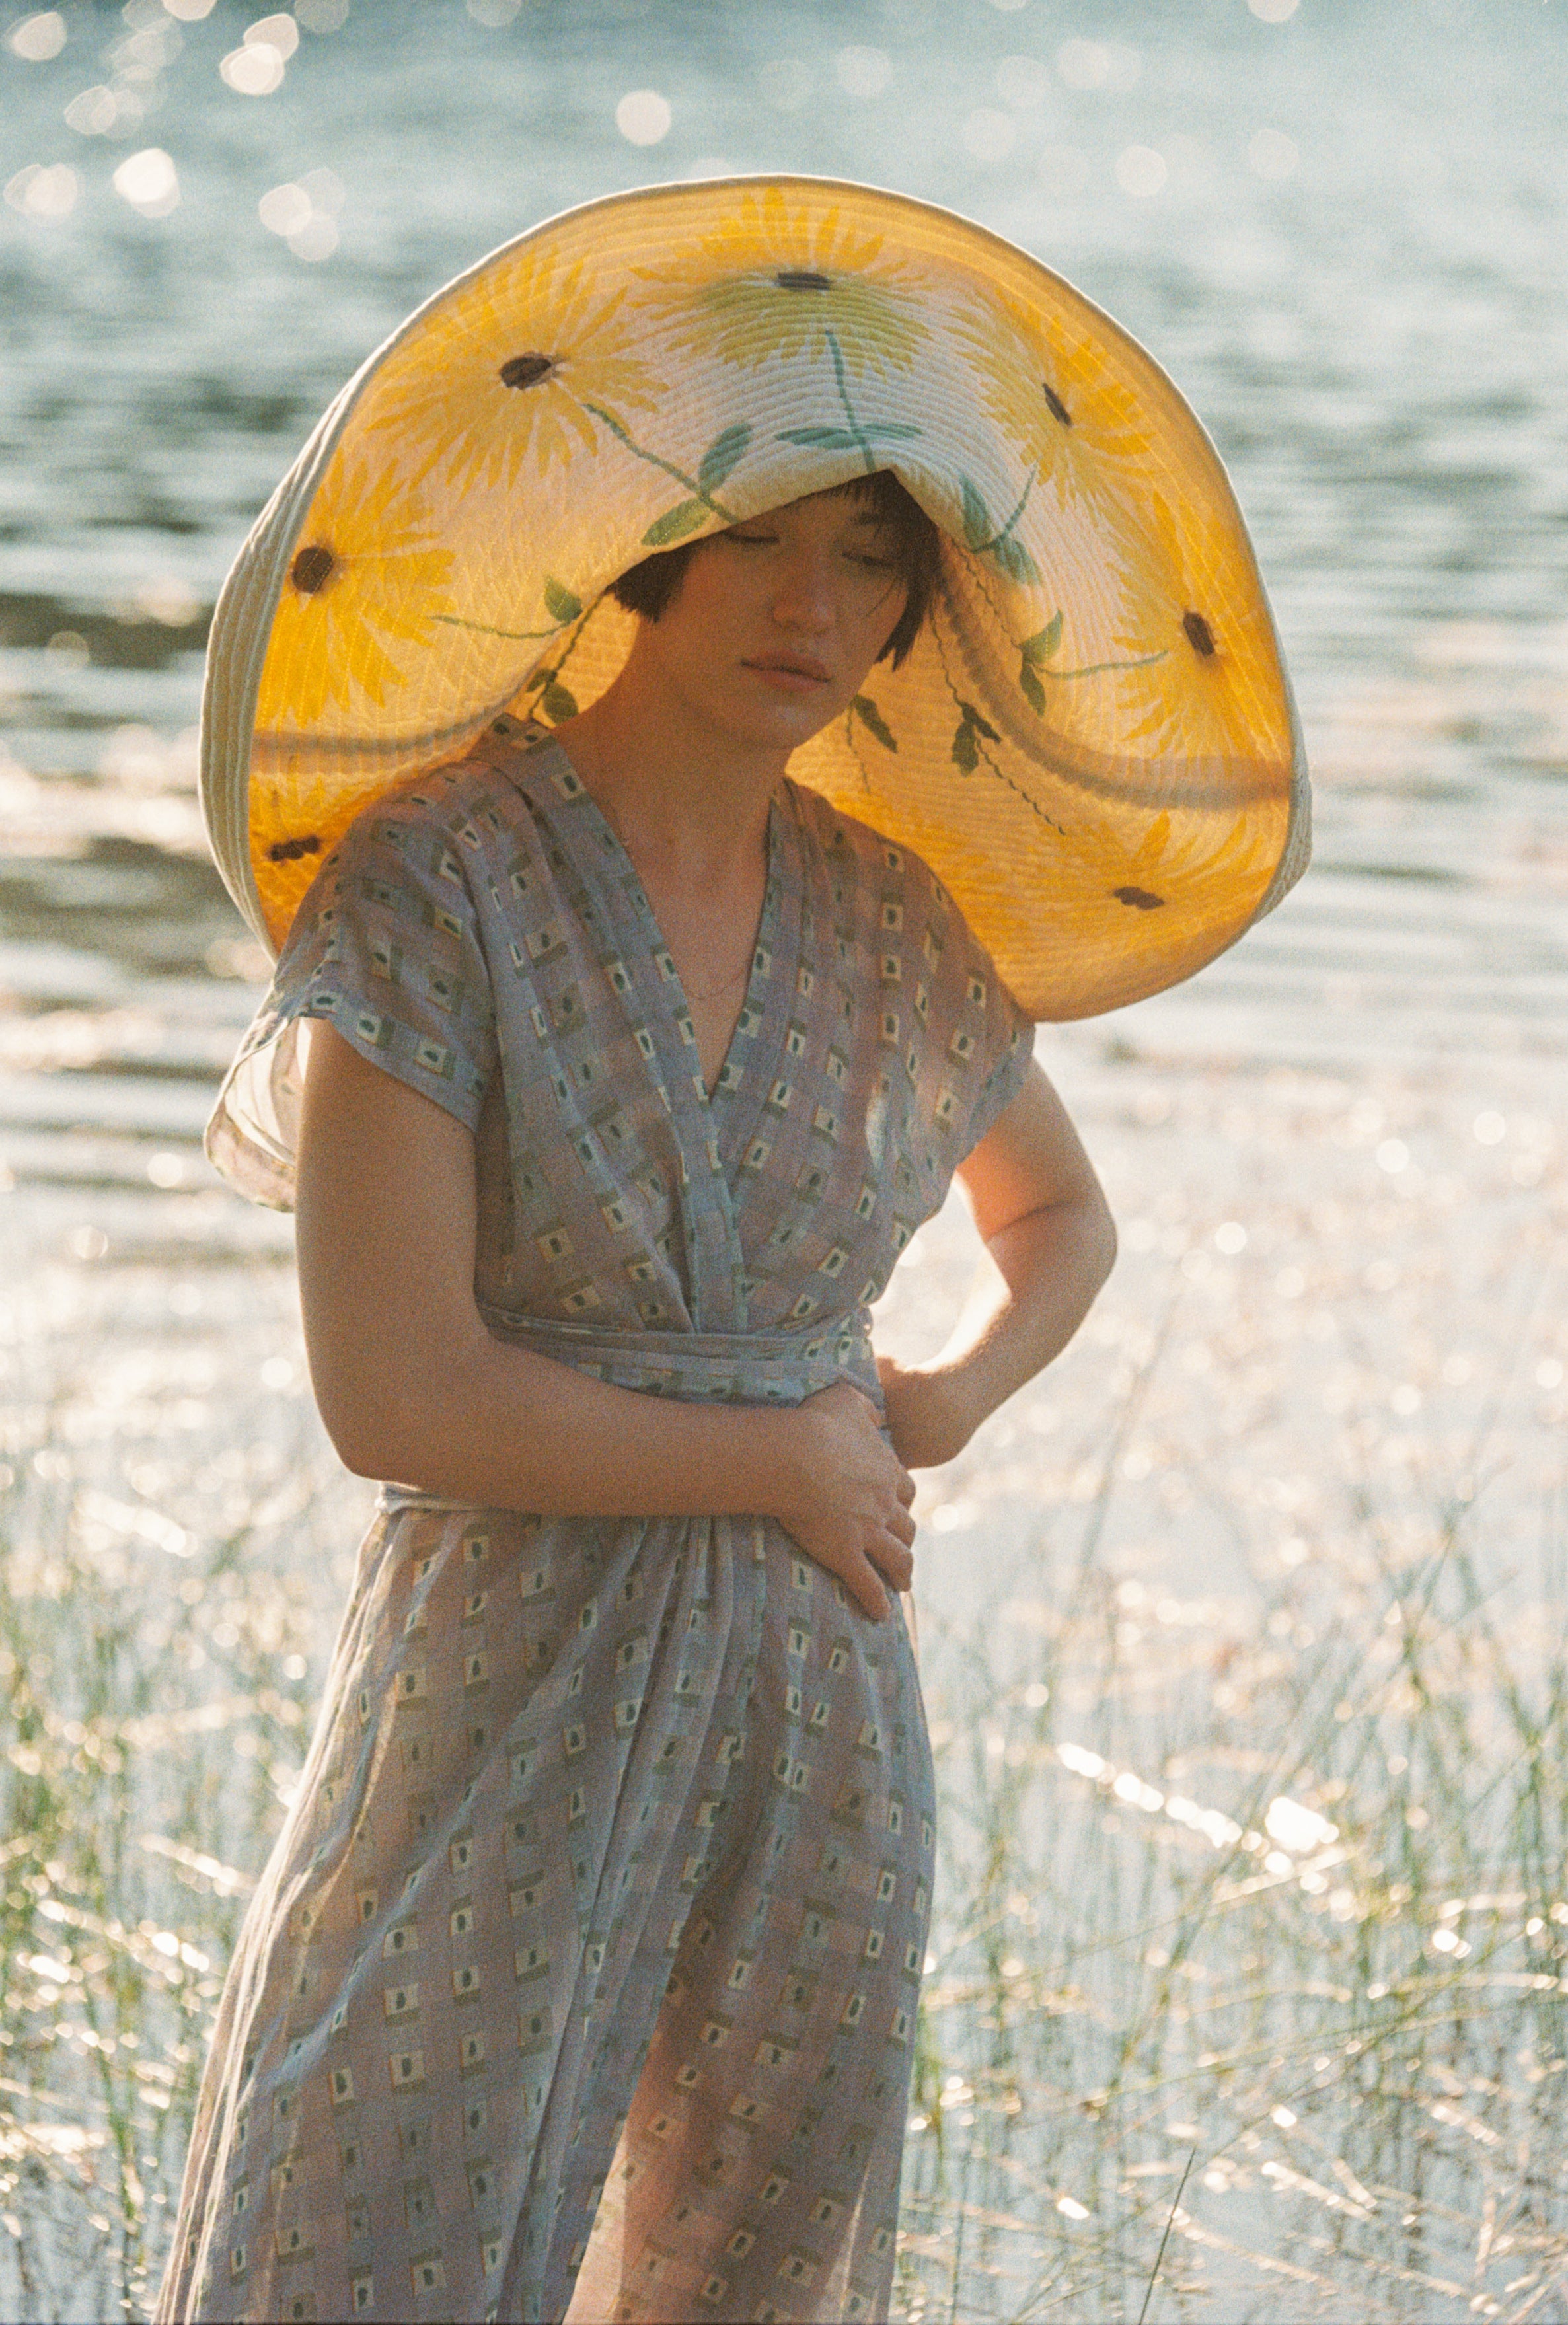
(685, 798)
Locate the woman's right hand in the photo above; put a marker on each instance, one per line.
(847, 1497)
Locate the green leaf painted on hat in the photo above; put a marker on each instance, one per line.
(560, 602)
(676, 523)
(1033, 693)
(978, 526)
(973, 718)
(1014, 558)
(558, 701)
(1044, 643)
(871, 718)
(966, 751)
(725, 453)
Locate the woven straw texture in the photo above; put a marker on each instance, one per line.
(1092, 743)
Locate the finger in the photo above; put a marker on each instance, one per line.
(901, 1527)
(905, 1488)
(866, 1585)
(891, 1560)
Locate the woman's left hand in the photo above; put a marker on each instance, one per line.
(1042, 1219)
(928, 1417)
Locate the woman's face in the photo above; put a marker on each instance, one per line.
(774, 624)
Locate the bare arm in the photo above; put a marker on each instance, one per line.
(411, 1385)
(1044, 1220)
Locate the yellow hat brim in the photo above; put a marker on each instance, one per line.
(1092, 742)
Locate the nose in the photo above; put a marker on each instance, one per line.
(803, 596)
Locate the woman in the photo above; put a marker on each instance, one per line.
(584, 1973)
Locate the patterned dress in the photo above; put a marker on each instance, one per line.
(584, 1972)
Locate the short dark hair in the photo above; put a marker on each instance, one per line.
(648, 587)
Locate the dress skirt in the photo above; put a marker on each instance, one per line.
(585, 1971)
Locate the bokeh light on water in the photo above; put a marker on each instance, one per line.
(1238, 1627)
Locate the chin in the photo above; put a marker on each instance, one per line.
(770, 725)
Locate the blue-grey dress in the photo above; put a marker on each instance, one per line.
(585, 1970)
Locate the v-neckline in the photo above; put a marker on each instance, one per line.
(764, 942)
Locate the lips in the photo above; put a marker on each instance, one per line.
(791, 666)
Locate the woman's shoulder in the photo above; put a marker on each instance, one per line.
(881, 871)
(474, 802)
(850, 840)
(896, 904)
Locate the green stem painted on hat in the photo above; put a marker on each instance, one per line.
(656, 460)
(967, 727)
(981, 548)
(1093, 669)
(486, 630)
(851, 414)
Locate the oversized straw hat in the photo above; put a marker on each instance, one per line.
(1092, 743)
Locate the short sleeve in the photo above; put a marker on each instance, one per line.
(386, 948)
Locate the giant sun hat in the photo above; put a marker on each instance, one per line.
(1092, 743)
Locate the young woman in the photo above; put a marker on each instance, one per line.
(675, 782)
(583, 1977)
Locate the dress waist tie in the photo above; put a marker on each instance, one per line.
(719, 1368)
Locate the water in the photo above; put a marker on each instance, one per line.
(1367, 1088)
(1376, 339)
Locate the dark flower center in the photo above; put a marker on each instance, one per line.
(1058, 409)
(1199, 637)
(526, 371)
(312, 569)
(798, 279)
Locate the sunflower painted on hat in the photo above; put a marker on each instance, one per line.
(365, 588)
(778, 277)
(1092, 741)
(492, 425)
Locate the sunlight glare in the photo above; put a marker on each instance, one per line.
(280, 32)
(255, 70)
(149, 182)
(642, 117)
(94, 113)
(1140, 172)
(1298, 1828)
(42, 193)
(38, 38)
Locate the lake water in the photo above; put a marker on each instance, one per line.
(1348, 253)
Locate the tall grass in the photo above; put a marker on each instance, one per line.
(165, 1598)
(1302, 1943)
